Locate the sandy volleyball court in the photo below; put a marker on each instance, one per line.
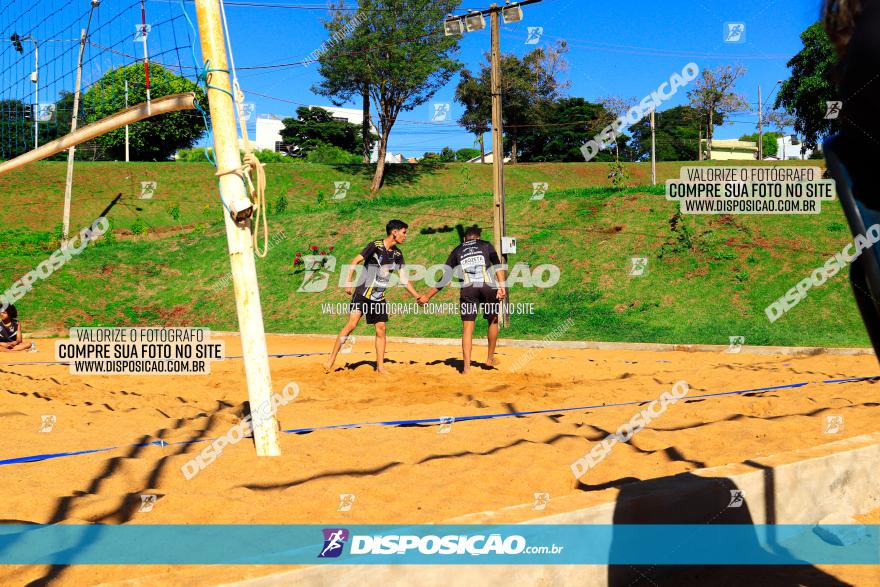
(398, 474)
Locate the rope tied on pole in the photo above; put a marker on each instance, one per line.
(251, 165)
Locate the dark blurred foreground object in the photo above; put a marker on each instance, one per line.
(852, 155)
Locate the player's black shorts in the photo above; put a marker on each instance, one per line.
(479, 300)
(373, 310)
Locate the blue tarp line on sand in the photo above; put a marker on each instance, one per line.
(233, 357)
(428, 421)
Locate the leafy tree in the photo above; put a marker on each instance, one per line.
(16, 128)
(810, 86)
(566, 124)
(154, 139)
(713, 94)
(527, 85)
(466, 154)
(314, 127)
(477, 115)
(343, 79)
(676, 133)
(447, 155)
(399, 50)
(770, 140)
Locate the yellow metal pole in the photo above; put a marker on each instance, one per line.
(239, 235)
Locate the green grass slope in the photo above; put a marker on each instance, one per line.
(708, 277)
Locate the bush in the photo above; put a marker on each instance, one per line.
(280, 204)
(198, 156)
(328, 154)
(138, 226)
(193, 155)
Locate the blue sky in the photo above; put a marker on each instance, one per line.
(623, 48)
(620, 48)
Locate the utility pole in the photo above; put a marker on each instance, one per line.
(498, 211)
(238, 234)
(126, 126)
(36, 78)
(760, 126)
(470, 22)
(146, 54)
(653, 152)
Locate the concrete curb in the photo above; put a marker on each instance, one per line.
(606, 346)
(798, 487)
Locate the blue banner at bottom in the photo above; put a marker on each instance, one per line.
(440, 544)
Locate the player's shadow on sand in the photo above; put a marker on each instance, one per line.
(130, 503)
(706, 502)
(359, 364)
(458, 364)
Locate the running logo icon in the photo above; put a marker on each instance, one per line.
(147, 503)
(141, 32)
(832, 109)
(441, 112)
(534, 36)
(737, 498)
(340, 189)
(736, 344)
(346, 501)
(334, 542)
(247, 110)
(318, 269)
(639, 266)
(541, 501)
(833, 424)
(446, 424)
(46, 112)
(148, 189)
(734, 32)
(539, 190)
(47, 423)
(347, 345)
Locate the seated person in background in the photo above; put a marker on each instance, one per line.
(10, 331)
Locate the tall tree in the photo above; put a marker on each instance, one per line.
(810, 86)
(314, 127)
(677, 134)
(615, 107)
(770, 142)
(527, 85)
(565, 126)
(342, 82)
(713, 94)
(155, 139)
(400, 51)
(477, 114)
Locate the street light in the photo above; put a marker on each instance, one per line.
(511, 14)
(453, 26)
(35, 77)
(470, 22)
(474, 22)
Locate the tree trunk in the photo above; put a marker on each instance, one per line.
(482, 147)
(380, 164)
(512, 149)
(700, 143)
(710, 132)
(365, 128)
